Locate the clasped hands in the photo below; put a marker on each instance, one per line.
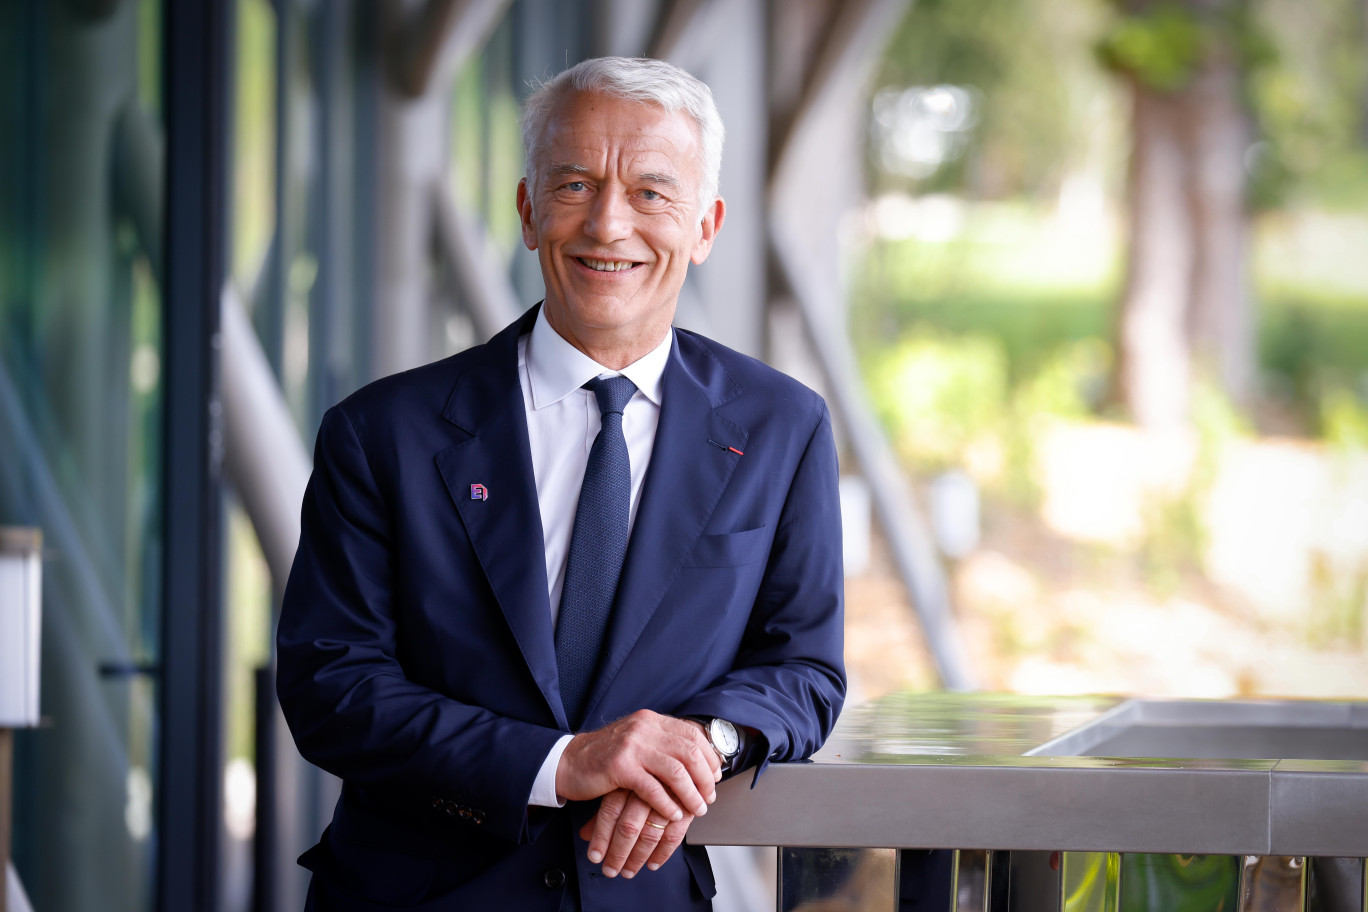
(654, 773)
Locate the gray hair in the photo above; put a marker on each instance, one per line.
(638, 79)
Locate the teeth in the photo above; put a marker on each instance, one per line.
(607, 265)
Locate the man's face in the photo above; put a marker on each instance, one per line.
(615, 221)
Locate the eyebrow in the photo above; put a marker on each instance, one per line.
(566, 169)
(562, 169)
(651, 177)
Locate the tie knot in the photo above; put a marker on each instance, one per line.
(613, 393)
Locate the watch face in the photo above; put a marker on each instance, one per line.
(724, 737)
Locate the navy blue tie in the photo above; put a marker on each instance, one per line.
(598, 545)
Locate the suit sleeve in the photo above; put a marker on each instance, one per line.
(788, 681)
(349, 705)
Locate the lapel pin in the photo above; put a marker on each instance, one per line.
(723, 446)
(479, 492)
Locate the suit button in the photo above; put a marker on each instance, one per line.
(451, 808)
(477, 816)
(554, 878)
(438, 803)
(464, 812)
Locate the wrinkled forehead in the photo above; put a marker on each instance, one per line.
(594, 128)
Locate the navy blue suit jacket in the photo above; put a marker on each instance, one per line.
(415, 649)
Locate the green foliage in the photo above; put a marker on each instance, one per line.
(486, 158)
(1180, 883)
(1344, 420)
(941, 395)
(1068, 383)
(1160, 47)
(1339, 587)
(1175, 532)
(1310, 104)
(948, 403)
(1339, 595)
(1312, 343)
(1026, 61)
(1031, 294)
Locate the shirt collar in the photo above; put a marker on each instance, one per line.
(555, 368)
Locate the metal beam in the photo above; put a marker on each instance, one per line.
(854, 34)
(439, 37)
(680, 29)
(264, 457)
(191, 749)
(857, 32)
(913, 548)
(486, 293)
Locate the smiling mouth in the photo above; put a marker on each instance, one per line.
(607, 265)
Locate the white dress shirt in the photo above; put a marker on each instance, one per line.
(562, 421)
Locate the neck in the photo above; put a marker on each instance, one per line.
(612, 349)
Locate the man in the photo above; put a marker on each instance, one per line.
(531, 624)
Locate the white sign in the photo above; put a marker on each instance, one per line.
(21, 574)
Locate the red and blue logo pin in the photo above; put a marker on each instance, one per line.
(479, 492)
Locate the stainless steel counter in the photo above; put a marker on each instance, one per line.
(1020, 773)
(1080, 804)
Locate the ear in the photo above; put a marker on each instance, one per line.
(711, 224)
(529, 227)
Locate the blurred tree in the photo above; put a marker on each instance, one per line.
(1236, 108)
(1012, 58)
(1187, 302)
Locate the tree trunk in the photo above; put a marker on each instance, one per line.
(1221, 317)
(1186, 310)
(1153, 353)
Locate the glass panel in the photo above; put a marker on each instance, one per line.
(1272, 883)
(853, 880)
(80, 426)
(247, 582)
(971, 880)
(1090, 881)
(1179, 883)
(1334, 885)
(1034, 882)
(926, 879)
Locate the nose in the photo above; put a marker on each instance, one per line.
(609, 217)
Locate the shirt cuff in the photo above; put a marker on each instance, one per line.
(544, 786)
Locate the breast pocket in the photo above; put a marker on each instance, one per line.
(729, 549)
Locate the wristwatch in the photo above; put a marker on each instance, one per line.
(723, 736)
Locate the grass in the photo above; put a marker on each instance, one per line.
(1037, 285)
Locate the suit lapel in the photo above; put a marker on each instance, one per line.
(683, 486)
(505, 530)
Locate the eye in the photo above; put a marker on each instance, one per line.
(575, 186)
(651, 195)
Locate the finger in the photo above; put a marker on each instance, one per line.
(670, 748)
(699, 736)
(652, 836)
(630, 827)
(665, 760)
(683, 769)
(649, 788)
(671, 840)
(604, 822)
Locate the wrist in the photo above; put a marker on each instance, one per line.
(726, 739)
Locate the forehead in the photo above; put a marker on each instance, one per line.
(592, 128)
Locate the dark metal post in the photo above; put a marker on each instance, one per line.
(266, 848)
(189, 816)
(6, 783)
